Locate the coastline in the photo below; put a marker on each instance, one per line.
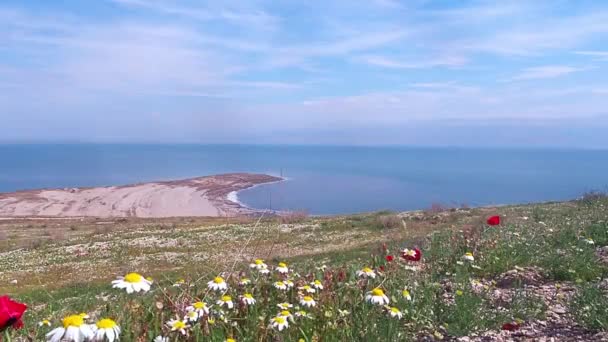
(202, 196)
(233, 196)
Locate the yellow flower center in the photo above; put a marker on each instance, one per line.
(306, 287)
(106, 323)
(285, 313)
(377, 292)
(199, 305)
(317, 282)
(46, 322)
(259, 261)
(230, 340)
(469, 254)
(367, 270)
(282, 264)
(308, 299)
(395, 310)
(73, 321)
(133, 278)
(279, 283)
(179, 325)
(218, 280)
(459, 293)
(226, 298)
(248, 295)
(245, 280)
(192, 314)
(406, 293)
(279, 320)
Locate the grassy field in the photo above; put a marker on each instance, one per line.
(539, 274)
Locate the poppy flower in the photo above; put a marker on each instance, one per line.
(10, 313)
(510, 326)
(389, 258)
(493, 220)
(411, 254)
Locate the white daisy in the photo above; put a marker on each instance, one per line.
(317, 284)
(264, 270)
(106, 329)
(282, 268)
(468, 256)
(178, 325)
(280, 285)
(217, 284)
(279, 323)
(191, 316)
(179, 283)
(244, 281)
(285, 314)
(406, 294)
(225, 300)
(161, 339)
(289, 283)
(377, 296)
(248, 299)
(44, 322)
(132, 282)
(343, 313)
(74, 330)
(307, 289)
(258, 264)
(308, 301)
(200, 308)
(284, 306)
(395, 313)
(366, 272)
(590, 241)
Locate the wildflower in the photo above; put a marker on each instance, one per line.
(199, 307)
(285, 314)
(161, 339)
(248, 299)
(178, 325)
(106, 329)
(279, 323)
(389, 258)
(308, 301)
(493, 220)
(406, 294)
(366, 272)
(245, 281)
(217, 284)
(258, 264)
(377, 296)
(317, 284)
(468, 256)
(11, 313)
(179, 283)
(280, 285)
(74, 329)
(395, 312)
(411, 254)
(459, 292)
(264, 270)
(282, 268)
(225, 300)
(307, 289)
(230, 339)
(132, 282)
(510, 326)
(590, 241)
(44, 322)
(284, 306)
(343, 313)
(303, 314)
(289, 283)
(191, 316)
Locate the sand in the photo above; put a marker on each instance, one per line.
(202, 196)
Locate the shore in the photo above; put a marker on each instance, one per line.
(202, 196)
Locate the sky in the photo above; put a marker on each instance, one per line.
(347, 72)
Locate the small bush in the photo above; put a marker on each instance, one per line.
(390, 221)
(294, 217)
(590, 307)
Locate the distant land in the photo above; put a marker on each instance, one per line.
(201, 196)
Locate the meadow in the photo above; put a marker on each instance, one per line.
(437, 274)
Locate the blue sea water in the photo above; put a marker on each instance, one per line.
(322, 179)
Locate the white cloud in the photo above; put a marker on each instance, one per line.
(547, 71)
(381, 61)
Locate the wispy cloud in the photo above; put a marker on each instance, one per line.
(599, 55)
(547, 71)
(384, 62)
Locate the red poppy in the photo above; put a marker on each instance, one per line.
(389, 258)
(10, 313)
(381, 268)
(510, 326)
(494, 220)
(411, 254)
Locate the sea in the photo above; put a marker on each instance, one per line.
(322, 180)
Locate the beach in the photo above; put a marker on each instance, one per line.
(201, 196)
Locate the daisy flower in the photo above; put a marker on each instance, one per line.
(279, 323)
(343, 313)
(285, 314)
(44, 322)
(264, 270)
(225, 300)
(317, 284)
(406, 294)
(307, 289)
(258, 264)
(217, 284)
(411, 254)
(74, 329)
(200, 308)
(284, 306)
(289, 283)
(377, 296)
(280, 285)
(106, 329)
(468, 256)
(178, 325)
(366, 272)
(230, 339)
(244, 281)
(308, 301)
(132, 282)
(248, 299)
(395, 313)
(161, 339)
(191, 316)
(589, 241)
(179, 283)
(282, 268)
(303, 314)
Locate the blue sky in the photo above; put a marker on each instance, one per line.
(471, 73)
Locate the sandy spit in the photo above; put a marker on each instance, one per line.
(202, 196)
